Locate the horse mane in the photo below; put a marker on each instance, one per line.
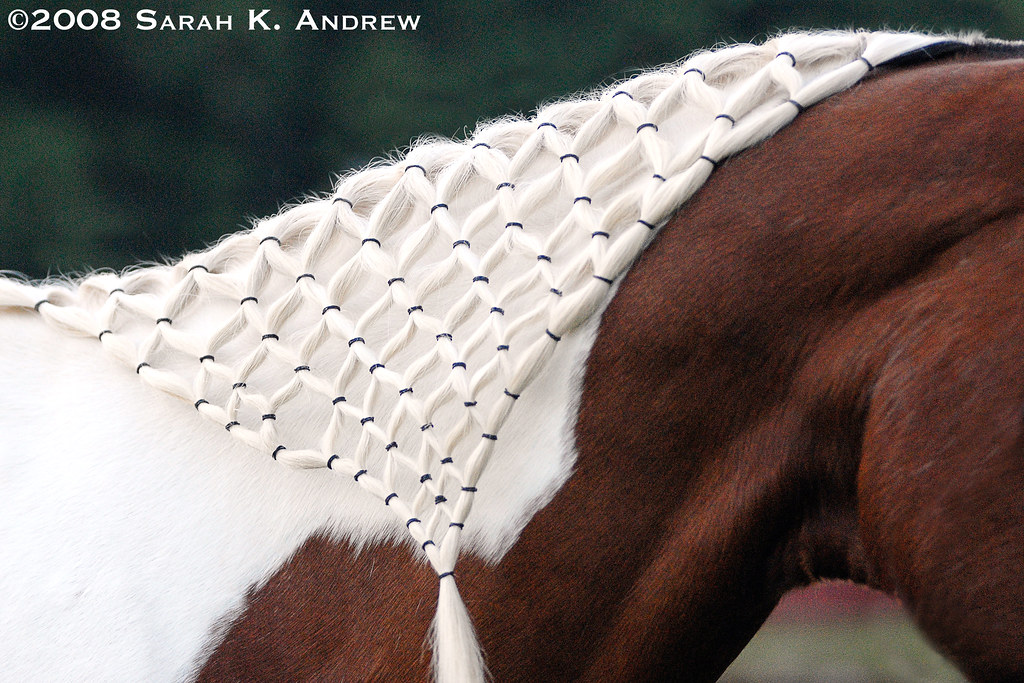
(387, 330)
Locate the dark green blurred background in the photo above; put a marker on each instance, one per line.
(126, 145)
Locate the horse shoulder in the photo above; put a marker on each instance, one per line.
(740, 359)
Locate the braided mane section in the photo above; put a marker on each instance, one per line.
(387, 332)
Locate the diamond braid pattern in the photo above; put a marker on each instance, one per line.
(387, 332)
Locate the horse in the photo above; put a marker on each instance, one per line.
(806, 370)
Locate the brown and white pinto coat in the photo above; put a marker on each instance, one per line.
(814, 371)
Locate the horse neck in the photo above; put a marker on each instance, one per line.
(719, 429)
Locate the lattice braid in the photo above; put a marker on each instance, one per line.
(353, 317)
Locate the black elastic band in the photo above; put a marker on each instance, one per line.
(331, 307)
(788, 54)
(514, 397)
(330, 461)
(458, 242)
(302, 368)
(439, 206)
(646, 125)
(282, 448)
(305, 275)
(353, 340)
(271, 237)
(568, 156)
(375, 366)
(553, 335)
(705, 157)
(695, 70)
(46, 301)
(603, 279)
(206, 357)
(871, 67)
(492, 437)
(371, 239)
(445, 575)
(200, 402)
(416, 166)
(505, 184)
(269, 335)
(621, 92)
(248, 298)
(394, 280)
(359, 474)
(199, 266)
(387, 501)
(342, 199)
(547, 123)
(231, 424)
(799, 107)
(727, 118)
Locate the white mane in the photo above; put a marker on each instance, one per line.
(393, 331)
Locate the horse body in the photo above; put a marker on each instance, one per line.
(814, 378)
